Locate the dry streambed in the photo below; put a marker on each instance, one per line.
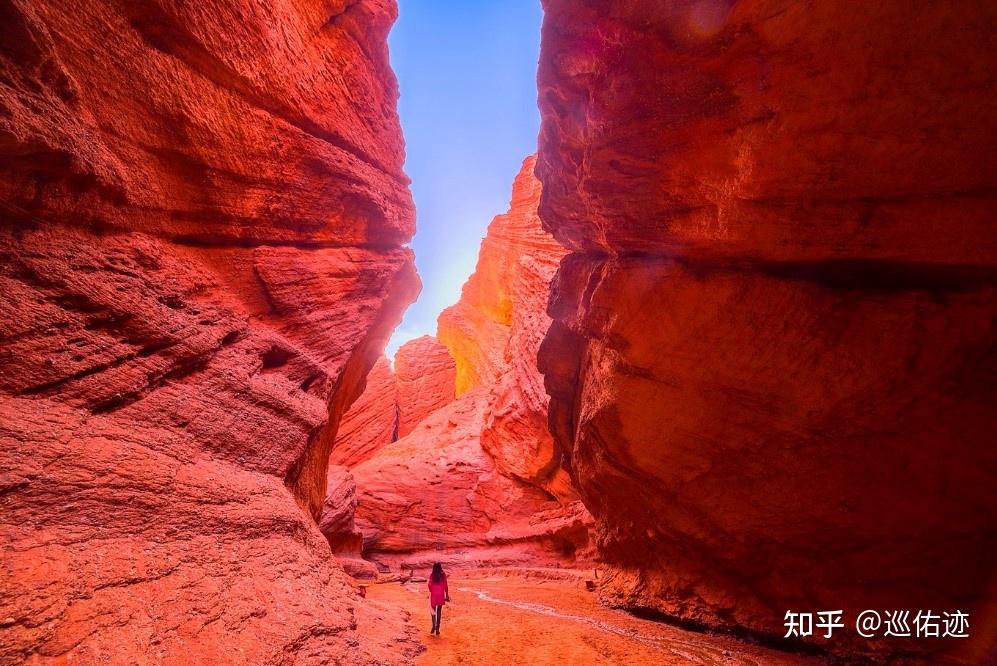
(512, 621)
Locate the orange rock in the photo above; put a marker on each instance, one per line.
(515, 256)
(337, 521)
(772, 354)
(495, 330)
(390, 406)
(425, 373)
(201, 259)
(424, 382)
(393, 403)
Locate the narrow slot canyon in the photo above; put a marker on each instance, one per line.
(727, 355)
(447, 457)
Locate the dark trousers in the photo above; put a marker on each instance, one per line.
(437, 616)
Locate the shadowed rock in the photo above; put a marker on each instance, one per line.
(772, 354)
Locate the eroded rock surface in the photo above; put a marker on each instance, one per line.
(772, 358)
(200, 259)
(371, 421)
(495, 330)
(425, 373)
(394, 401)
(436, 495)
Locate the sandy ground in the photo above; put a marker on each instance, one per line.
(508, 621)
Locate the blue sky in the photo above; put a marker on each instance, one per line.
(467, 73)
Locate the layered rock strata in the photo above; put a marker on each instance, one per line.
(436, 495)
(772, 355)
(395, 400)
(371, 422)
(425, 373)
(494, 332)
(201, 258)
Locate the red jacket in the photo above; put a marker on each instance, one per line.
(438, 591)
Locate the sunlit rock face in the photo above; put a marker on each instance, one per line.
(395, 400)
(772, 358)
(495, 330)
(477, 480)
(425, 373)
(391, 404)
(515, 258)
(201, 258)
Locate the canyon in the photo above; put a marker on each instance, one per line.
(731, 346)
(471, 480)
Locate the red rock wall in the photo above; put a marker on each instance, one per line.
(391, 405)
(425, 373)
(772, 358)
(436, 495)
(394, 401)
(371, 421)
(513, 261)
(201, 259)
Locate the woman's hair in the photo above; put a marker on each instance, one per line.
(437, 574)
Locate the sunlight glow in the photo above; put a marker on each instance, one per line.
(467, 74)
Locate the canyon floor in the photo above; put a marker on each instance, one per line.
(500, 620)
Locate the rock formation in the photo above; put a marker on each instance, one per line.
(436, 495)
(425, 373)
(477, 482)
(201, 258)
(338, 523)
(392, 403)
(371, 422)
(772, 359)
(495, 330)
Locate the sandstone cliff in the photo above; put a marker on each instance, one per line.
(494, 332)
(772, 358)
(201, 259)
(393, 402)
(436, 495)
(371, 422)
(476, 480)
(425, 373)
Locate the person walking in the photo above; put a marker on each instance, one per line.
(439, 594)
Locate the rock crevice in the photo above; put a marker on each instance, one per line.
(471, 476)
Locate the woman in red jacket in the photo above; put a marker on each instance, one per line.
(439, 594)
